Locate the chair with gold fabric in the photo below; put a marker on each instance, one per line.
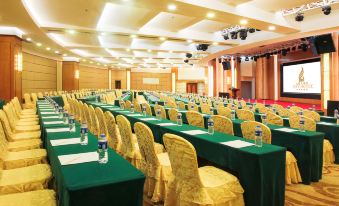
(34, 198)
(196, 186)
(259, 105)
(195, 119)
(11, 135)
(128, 104)
(292, 174)
(242, 103)
(296, 109)
(285, 112)
(19, 126)
(148, 109)
(193, 107)
(224, 111)
(173, 114)
(101, 120)
(23, 118)
(141, 99)
(162, 109)
(23, 112)
(310, 125)
(94, 121)
(205, 108)
(232, 106)
(114, 138)
(223, 124)
(274, 119)
(245, 115)
(66, 104)
(312, 114)
(28, 102)
(157, 166)
(182, 105)
(277, 106)
(25, 179)
(171, 103)
(137, 107)
(122, 103)
(40, 95)
(34, 98)
(264, 110)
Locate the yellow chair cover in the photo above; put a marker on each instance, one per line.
(312, 114)
(285, 112)
(157, 166)
(193, 186)
(296, 109)
(245, 115)
(12, 160)
(274, 119)
(94, 121)
(137, 106)
(224, 111)
(195, 107)
(148, 109)
(24, 179)
(173, 114)
(33, 198)
(195, 118)
(205, 108)
(101, 120)
(182, 105)
(114, 138)
(292, 174)
(128, 104)
(28, 102)
(162, 109)
(223, 124)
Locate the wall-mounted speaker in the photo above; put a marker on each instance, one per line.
(324, 44)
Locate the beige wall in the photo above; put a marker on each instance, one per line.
(119, 75)
(91, 77)
(39, 74)
(165, 81)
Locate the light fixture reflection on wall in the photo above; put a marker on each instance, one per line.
(77, 74)
(19, 62)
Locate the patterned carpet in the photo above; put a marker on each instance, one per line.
(322, 193)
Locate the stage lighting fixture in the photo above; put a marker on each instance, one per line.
(257, 29)
(251, 30)
(275, 52)
(252, 57)
(226, 37)
(247, 59)
(189, 55)
(284, 52)
(288, 49)
(326, 9)
(186, 61)
(243, 34)
(279, 51)
(294, 48)
(299, 17)
(239, 59)
(202, 47)
(234, 35)
(267, 55)
(255, 58)
(219, 60)
(304, 47)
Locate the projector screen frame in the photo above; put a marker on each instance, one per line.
(298, 95)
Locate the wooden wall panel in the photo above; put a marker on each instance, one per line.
(69, 82)
(165, 81)
(39, 74)
(93, 78)
(119, 75)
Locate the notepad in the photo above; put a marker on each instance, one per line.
(195, 132)
(237, 144)
(51, 117)
(78, 158)
(134, 115)
(48, 113)
(54, 122)
(286, 130)
(167, 124)
(59, 142)
(54, 130)
(149, 119)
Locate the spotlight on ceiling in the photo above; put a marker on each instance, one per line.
(326, 9)
(186, 61)
(189, 55)
(268, 55)
(239, 59)
(251, 30)
(202, 47)
(299, 17)
(234, 35)
(247, 59)
(284, 52)
(255, 58)
(243, 34)
(304, 47)
(226, 37)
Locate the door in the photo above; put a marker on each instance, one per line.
(118, 84)
(192, 88)
(246, 89)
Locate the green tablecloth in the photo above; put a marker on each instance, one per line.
(92, 183)
(58, 100)
(261, 171)
(89, 98)
(153, 99)
(2, 103)
(328, 119)
(124, 97)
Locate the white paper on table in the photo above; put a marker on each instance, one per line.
(51, 117)
(286, 129)
(125, 111)
(326, 123)
(115, 108)
(107, 106)
(54, 122)
(78, 158)
(183, 111)
(59, 142)
(134, 115)
(167, 124)
(43, 109)
(195, 132)
(57, 130)
(48, 113)
(237, 144)
(149, 119)
(285, 118)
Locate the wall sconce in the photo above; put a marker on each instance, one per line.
(77, 74)
(19, 62)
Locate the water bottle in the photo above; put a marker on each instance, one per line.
(71, 123)
(56, 108)
(274, 110)
(264, 118)
(293, 104)
(210, 124)
(233, 114)
(165, 103)
(96, 99)
(177, 105)
(211, 110)
(179, 119)
(301, 113)
(143, 110)
(258, 136)
(313, 107)
(61, 115)
(251, 107)
(65, 117)
(302, 124)
(122, 105)
(192, 106)
(335, 113)
(158, 114)
(216, 104)
(102, 149)
(84, 134)
(132, 108)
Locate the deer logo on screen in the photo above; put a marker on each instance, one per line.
(301, 75)
(301, 84)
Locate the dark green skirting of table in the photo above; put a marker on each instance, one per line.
(89, 98)
(2, 103)
(58, 100)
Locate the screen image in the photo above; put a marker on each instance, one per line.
(301, 79)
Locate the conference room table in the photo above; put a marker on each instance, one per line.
(58, 99)
(89, 98)
(152, 99)
(125, 96)
(2, 103)
(89, 183)
(261, 171)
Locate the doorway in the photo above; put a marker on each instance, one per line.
(117, 84)
(246, 89)
(192, 88)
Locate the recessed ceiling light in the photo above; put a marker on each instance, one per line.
(133, 58)
(172, 7)
(28, 39)
(105, 65)
(128, 49)
(65, 55)
(215, 43)
(162, 38)
(210, 15)
(57, 52)
(84, 60)
(38, 44)
(134, 36)
(189, 40)
(243, 21)
(71, 31)
(91, 62)
(48, 48)
(170, 51)
(102, 33)
(149, 50)
(271, 28)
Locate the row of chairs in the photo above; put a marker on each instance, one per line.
(24, 172)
